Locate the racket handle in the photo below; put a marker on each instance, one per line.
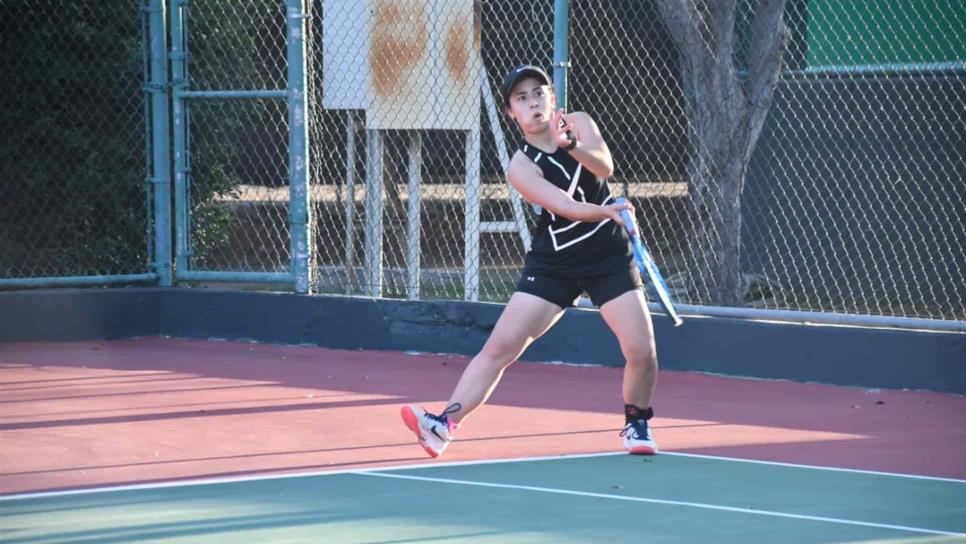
(628, 218)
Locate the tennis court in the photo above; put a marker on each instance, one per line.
(594, 498)
(160, 439)
(236, 238)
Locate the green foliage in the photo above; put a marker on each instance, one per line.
(72, 157)
(73, 196)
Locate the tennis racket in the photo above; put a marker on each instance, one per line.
(647, 265)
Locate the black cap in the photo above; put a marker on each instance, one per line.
(518, 73)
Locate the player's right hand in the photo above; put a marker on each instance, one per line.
(613, 211)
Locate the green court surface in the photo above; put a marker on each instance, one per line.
(595, 498)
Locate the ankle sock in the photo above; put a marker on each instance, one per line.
(634, 413)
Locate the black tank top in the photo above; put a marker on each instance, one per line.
(574, 248)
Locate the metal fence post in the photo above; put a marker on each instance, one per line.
(414, 216)
(301, 256)
(375, 207)
(471, 227)
(180, 135)
(561, 56)
(160, 143)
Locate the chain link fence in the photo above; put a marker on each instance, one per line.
(853, 197)
(74, 200)
(856, 194)
(237, 164)
(852, 201)
(413, 103)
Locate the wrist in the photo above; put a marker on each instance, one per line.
(584, 212)
(573, 142)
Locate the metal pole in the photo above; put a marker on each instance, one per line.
(180, 135)
(160, 143)
(820, 318)
(67, 281)
(149, 175)
(489, 103)
(374, 212)
(561, 55)
(414, 216)
(471, 230)
(350, 202)
(297, 149)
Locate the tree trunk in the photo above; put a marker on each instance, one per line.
(725, 116)
(715, 190)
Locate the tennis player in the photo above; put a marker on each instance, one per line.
(579, 244)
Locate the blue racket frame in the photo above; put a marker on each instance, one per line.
(645, 262)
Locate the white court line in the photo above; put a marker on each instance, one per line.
(436, 464)
(665, 502)
(262, 477)
(815, 467)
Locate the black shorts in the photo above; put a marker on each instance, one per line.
(563, 291)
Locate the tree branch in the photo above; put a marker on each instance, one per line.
(769, 38)
(722, 24)
(682, 20)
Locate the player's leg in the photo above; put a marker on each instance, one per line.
(628, 316)
(629, 319)
(624, 308)
(526, 317)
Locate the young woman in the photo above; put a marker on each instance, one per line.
(579, 244)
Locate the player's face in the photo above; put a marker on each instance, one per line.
(531, 104)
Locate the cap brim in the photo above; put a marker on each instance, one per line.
(516, 77)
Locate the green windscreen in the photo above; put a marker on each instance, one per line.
(878, 32)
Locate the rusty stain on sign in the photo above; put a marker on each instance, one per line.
(399, 40)
(457, 57)
(409, 64)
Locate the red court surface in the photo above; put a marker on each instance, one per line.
(97, 413)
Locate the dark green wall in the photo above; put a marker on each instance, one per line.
(857, 191)
(897, 359)
(870, 32)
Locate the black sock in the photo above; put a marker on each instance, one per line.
(633, 413)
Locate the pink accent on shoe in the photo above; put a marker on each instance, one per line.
(641, 450)
(409, 418)
(412, 422)
(429, 451)
(451, 425)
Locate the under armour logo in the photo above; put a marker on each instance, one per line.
(531, 278)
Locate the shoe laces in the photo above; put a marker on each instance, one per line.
(442, 418)
(640, 428)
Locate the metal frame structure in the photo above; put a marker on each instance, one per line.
(299, 215)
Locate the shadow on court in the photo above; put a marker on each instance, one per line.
(113, 412)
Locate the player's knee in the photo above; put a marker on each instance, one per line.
(500, 352)
(641, 355)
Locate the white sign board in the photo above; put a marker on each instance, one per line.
(410, 64)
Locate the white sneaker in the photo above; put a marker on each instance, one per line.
(434, 432)
(637, 438)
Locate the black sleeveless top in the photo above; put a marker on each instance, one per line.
(574, 248)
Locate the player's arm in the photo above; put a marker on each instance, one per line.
(526, 177)
(591, 150)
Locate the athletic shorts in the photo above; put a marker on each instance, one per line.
(563, 291)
